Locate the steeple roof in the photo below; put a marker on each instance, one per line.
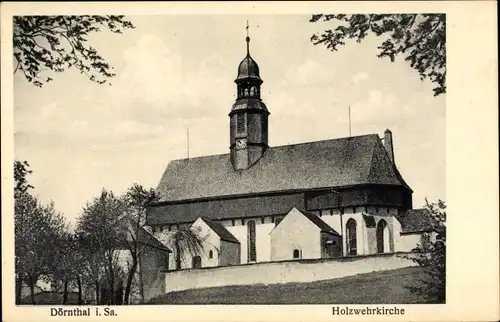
(248, 68)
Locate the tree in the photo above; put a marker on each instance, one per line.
(186, 243)
(21, 171)
(90, 263)
(57, 43)
(22, 203)
(431, 256)
(96, 227)
(36, 226)
(421, 38)
(137, 200)
(66, 263)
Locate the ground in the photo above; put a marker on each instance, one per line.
(388, 287)
(47, 298)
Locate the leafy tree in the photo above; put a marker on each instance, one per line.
(431, 255)
(186, 243)
(36, 226)
(56, 43)
(91, 264)
(137, 200)
(21, 171)
(421, 38)
(96, 227)
(66, 264)
(22, 204)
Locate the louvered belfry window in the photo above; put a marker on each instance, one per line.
(240, 123)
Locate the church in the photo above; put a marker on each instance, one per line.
(257, 203)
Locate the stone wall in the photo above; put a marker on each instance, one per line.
(282, 272)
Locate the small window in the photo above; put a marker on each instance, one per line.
(240, 123)
(211, 254)
(296, 253)
(334, 242)
(277, 221)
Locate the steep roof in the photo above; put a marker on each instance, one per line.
(221, 231)
(319, 222)
(329, 163)
(323, 226)
(415, 221)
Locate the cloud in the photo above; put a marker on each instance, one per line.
(377, 107)
(360, 76)
(310, 72)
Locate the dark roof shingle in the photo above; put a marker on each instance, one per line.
(221, 231)
(416, 221)
(329, 163)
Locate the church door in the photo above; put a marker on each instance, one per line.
(197, 262)
(382, 237)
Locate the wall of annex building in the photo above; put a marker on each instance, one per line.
(366, 236)
(295, 232)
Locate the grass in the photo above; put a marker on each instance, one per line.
(48, 298)
(388, 287)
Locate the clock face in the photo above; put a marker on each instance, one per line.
(241, 143)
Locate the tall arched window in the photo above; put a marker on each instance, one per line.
(382, 237)
(211, 254)
(351, 237)
(252, 249)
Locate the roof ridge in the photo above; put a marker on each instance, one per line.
(282, 146)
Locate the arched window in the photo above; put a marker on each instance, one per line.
(252, 249)
(252, 91)
(351, 237)
(277, 221)
(246, 92)
(296, 253)
(196, 262)
(211, 254)
(382, 237)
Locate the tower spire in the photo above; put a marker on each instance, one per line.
(248, 40)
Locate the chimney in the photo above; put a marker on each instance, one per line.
(388, 144)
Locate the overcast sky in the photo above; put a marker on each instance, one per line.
(178, 72)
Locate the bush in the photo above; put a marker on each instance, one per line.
(431, 255)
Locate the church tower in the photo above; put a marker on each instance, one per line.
(248, 116)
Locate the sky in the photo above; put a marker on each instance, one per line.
(177, 72)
